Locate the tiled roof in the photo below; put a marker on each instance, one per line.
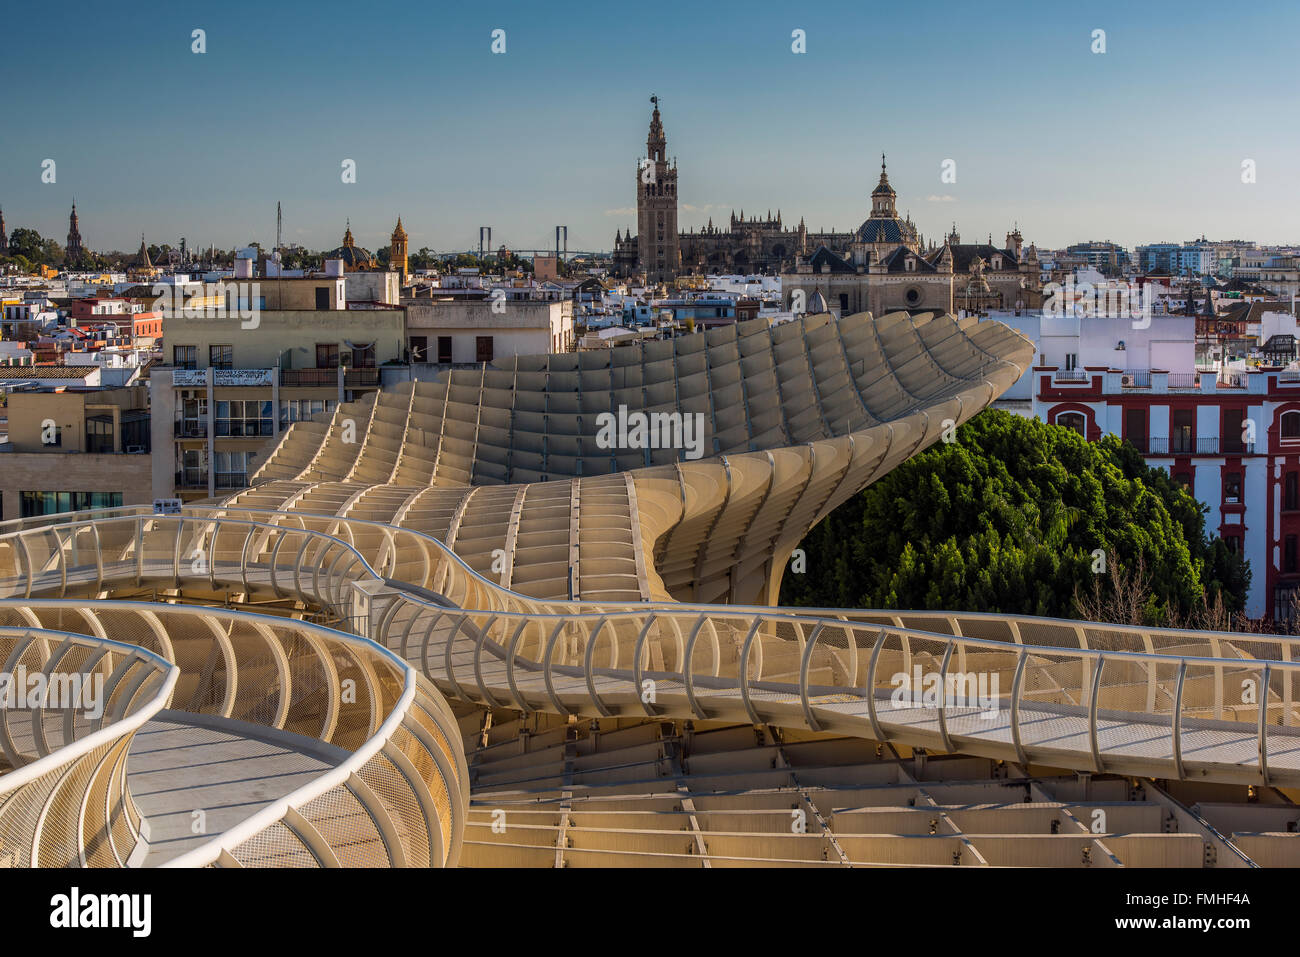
(897, 261)
(1254, 311)
(46, 372)
(824, 257)
(964, 253)
(883, 231)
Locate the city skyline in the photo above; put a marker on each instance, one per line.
(450, 136)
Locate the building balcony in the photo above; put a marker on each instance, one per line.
(1190, 445)
(310, 378)
(190, 429)
(361, 378)
(329, 378)
(191, 479)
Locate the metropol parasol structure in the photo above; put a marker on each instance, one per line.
(448, 626)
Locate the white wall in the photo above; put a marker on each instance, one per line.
(1254, 491)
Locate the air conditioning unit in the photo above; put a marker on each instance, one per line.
(1127, 380)
(135, 450)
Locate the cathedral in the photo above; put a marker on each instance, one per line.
(887, 267)
(660, 252)
(882, 266)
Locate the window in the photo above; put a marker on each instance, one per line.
(1291, 425)
(231, 469)
(1232, 430)
(1071, 360)
(1232, 488)
(1285, 600)
(185, 357)
(444, 349)
(363, 357)
(296, 410)
(221, 357)
(194, 469)
(1288, 554)
(243, 417)
(419, 348)
(193, 409)
(1291, 494)
(322, 297)
(1182, 437)
(1135, 428)
(1074, 420)
(327, 355)
(483, 348)
(51, 503)
(99, 434)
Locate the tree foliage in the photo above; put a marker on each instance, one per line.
(1008, 518)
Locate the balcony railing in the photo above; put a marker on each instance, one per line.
(360, 378)
(1137, 379)
(329, 378)
(1184, 380)
(310, 378)
(1071, 375)
(191, 479)
(1190, 445)
(190, 429)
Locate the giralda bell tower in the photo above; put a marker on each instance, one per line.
(658, 255)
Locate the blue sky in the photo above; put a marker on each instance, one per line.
(1142, 143)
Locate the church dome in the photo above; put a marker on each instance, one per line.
(886, 231)
(884, 224)
(354, 257)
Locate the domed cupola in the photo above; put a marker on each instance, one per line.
(884, 227)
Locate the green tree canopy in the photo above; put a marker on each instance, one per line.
(27, 243)
(1007, 519)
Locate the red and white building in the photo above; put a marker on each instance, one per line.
(1234, 439)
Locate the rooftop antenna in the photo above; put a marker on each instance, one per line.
(278, 225)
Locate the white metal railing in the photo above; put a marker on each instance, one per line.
(1089, 696)
(44, 820)
(246, 671)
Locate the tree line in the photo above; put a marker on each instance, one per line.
(1019, 517)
